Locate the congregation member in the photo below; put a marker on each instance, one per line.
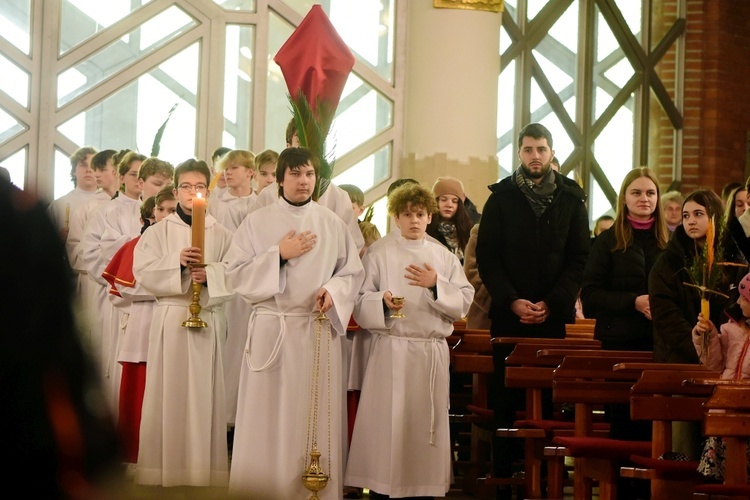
(725, 352)
(303, 264)
(410, 457)
(532, 247)
(183, 421)
(674, 305)
(672, 201)
(451, 225)
(615, 280)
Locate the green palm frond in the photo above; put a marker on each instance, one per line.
(369, 213)
(312, 130)
(156, 146)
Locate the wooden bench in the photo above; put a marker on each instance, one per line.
(590, 381)
(661, 397)
(525, 369)
(727, 415)
(522, 353)
(579, 331)
(470, 417)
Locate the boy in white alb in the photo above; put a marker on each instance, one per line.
(401, 442)
(183, 437)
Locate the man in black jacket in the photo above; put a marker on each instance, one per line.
(531, 251)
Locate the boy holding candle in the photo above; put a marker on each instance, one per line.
(183, 422)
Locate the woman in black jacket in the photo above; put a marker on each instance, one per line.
(615, 282)
(674, 305)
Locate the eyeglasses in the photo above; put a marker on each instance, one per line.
(186, 188)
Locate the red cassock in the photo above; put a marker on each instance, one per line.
(133, 382)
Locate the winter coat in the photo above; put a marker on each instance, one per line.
(611, 283)
(522, 257)
(727, 351)
(477, 317)
(675, 306)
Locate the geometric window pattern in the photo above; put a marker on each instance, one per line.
(600, 74)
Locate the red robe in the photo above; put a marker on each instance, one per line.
(133, 382)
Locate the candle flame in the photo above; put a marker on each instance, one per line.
(198, 195)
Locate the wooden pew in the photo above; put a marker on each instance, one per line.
(470, 418)
(589, 382)
(660, 396)
(727, 415)
(522, 350)
(579, 331)
(526, 370)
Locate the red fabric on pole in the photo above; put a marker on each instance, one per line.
(315, 60)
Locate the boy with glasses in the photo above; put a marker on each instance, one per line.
(183, 421)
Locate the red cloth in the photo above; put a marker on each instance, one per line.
(132, 386)
(352, 402)
(120, 268)
(315, 60)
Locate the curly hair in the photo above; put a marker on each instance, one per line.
(414, 195)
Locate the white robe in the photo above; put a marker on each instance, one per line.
(109, 227)
(183, 438)
(220, 206)
(238, 211)
(229, 211)
(73, 199)
(334, 198)
(270, 441)
(401, 441)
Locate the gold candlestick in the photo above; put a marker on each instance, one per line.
(194, 321)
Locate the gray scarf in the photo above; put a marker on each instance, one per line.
(539, 195)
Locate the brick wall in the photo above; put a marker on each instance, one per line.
(717, 93)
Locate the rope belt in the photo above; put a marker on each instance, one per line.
(279, 340)
(434, 351)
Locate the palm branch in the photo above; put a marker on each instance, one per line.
(312, 129)
(156, 146)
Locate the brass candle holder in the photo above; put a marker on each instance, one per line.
(194, 321)
(399, 301)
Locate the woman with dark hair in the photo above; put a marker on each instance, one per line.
(615, 282)
(674, 305)
(452, 225)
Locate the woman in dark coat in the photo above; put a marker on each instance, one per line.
(615, 282)
(674, 305)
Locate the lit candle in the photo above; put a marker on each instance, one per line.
(199, 222)
(67, 215)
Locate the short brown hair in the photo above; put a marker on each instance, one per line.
(267, 156)
(78, 156)
(192, 165)
(154, 166)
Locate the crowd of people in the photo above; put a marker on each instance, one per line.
(283, 271)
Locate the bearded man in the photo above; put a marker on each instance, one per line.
(532, 247)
